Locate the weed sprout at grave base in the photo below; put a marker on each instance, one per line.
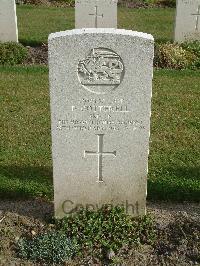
(107, 229)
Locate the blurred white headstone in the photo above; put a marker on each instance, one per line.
(8, 21)
(96, 14)
(187, 20)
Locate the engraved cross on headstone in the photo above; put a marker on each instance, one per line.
(100, 154)
(197, 18)
(96, 16)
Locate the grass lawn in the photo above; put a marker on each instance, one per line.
(25, 133)
(26, 166)
(36, 23)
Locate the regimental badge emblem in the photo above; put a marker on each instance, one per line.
(101, 71)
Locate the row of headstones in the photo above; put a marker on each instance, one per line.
(103, 14)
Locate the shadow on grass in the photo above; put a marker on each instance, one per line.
(186, 172)
(180, 184)
(25, 182)
(31, 43)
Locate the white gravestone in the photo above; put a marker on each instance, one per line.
(8, 21)
(100, 88)
(96, 14)
(187, 20)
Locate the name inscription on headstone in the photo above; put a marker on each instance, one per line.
(98, 116)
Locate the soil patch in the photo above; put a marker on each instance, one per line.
(37, 55)
(177, 227)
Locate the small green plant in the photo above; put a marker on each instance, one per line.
(94, 233)
(172, 55)
(12, 53)
(52, 247)
(107, 229)
(193, 47)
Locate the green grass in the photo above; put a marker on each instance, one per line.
(25, 132)
(175, 151)
(156, 21)
(36, 23)
(26, 166)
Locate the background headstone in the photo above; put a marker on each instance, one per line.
(101, 85)
(187, 26)
(96, 14)
(8, 21)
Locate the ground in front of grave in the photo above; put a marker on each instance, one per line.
(173, 247)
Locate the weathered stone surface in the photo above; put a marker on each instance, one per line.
(187, 20)
(96, 14)
(100, 87)
(8, 21)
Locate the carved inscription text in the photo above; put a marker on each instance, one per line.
(99, 115)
